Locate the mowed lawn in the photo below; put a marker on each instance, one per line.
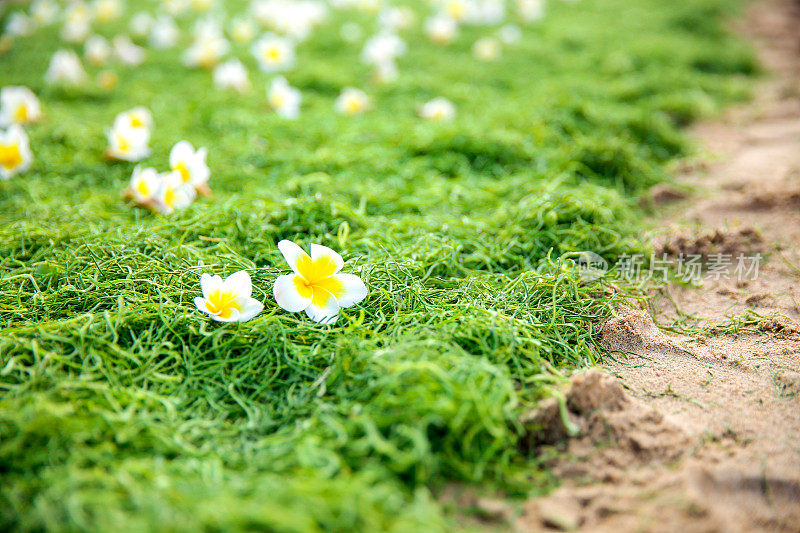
(124, 408)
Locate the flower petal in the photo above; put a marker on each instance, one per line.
(209, 283)
(323, 307)
(234, 316)
(353, 292)
(201, 304)
(239, 283)
(287, 292)
(292, 253)
(250, 309)
(317, 251)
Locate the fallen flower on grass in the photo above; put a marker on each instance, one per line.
(228, 300)
(352, 101)
(127, 143)
(138, 118)
(173, 194)
(15, 153)
(283, 98)
(191, 165)
(65, 69)
(97, 50)
(127, 52)
(438, 109)
(18, 105)
(316, 286)
(274, 53)
(144, 186)
(231, 75)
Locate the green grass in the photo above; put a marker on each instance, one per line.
(123, 408)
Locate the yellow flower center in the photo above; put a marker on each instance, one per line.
(21, 114)
(142, 188)
(354, 105)
(123, 145)
(10, 156)
(222, 303)
(316, 279)
(183, 169)
(456, 10)
(272, 54)
(170, 197)
(136, 122)
(277, 99)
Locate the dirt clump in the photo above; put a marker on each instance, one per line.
(733, 243)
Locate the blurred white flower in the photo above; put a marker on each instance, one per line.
(175, 7)
(138, 118)
(395, 18)
(144, 186)
(65, 69)
(231, 75)
(229, 300)
(15, 153)
(441, 29)
(242, 30)
(140, 24)
(106, 11)
(127, 52)
(283, 98)
(44, 12)
(190, 164)
(510, 34)
(164, 32)
(458, 10)
(438, 109)
(531, 10)
(77, 23)
(97, 50)
(128, 144)
(316, 286)
(206, 52)
(18, 105)
(19, 25)
(383, 48)
(486, 49)
(274, 53)
(202, 6)
(352, 101)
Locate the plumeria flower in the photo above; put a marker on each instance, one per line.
(385, 72)
(395, 18)
(458, 10)
(18, 105)
(144, 186)
(206, 52)
(231, 75)
(65, 69)
(175, 7)
(530, 10)
(127, 143)
(383, 48)
(140, 24)
(77, 23)
(316, 286)
(352, 101)
(127, 52)
(19, 25)
(190, 164)
(228, 300)
(164, 32)
(107, 79)
(107, 10)
(441, 29)
(242, 30)
(15, 152)
(283, 98)
(44, 12)
(486, 49)
(138, 118)
(97, 50)
(438, 109)
(273, 53)
(173, 194)
(487, 12)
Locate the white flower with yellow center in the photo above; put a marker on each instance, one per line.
(65, 69)
(144, 186)
(206, 51)
(106, 10)
(77, 23)
(316, 286)
(486, 49)
(531, 10)
(383, 48)
(138, 118)
(44, 12)
(228, 300)
(190, 164)
(15, 152)
(458, 10)
(18, 105)
(128, 144)
(231, 75)
(441, 29)
(395, 18)
(97, 50)
(273, 53)
(284, 99)
(175, 7)
(438, 109)
(173, 194)
(140, 24)
(127, 52)
(352, 101)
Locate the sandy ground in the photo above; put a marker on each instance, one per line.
(701, 432)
